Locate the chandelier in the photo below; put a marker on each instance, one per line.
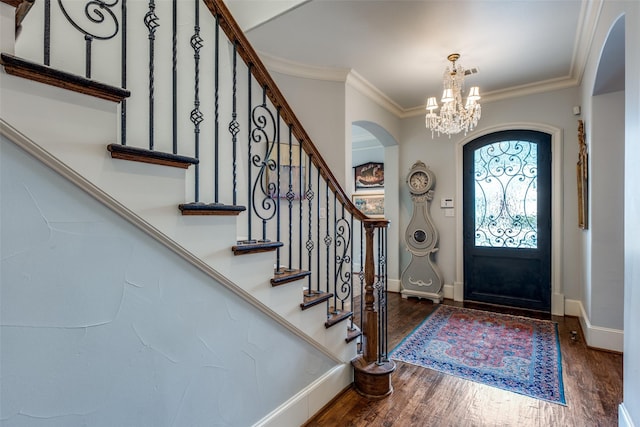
(454, 116)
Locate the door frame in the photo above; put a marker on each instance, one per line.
(557, 292)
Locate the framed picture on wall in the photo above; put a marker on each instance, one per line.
(370, 204)
(582, 173)
(369, 175)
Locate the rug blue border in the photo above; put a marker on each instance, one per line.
(415, 329)
(562, 397)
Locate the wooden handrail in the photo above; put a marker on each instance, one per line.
(261, 74)
(14, 3)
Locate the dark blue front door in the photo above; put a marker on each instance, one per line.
(507, 219)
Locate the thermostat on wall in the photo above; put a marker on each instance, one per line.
(446, 202)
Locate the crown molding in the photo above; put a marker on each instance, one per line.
(587, 22)
(359, 83)
(343, 75)
(362, 85)
(298, 69)
(512, 92)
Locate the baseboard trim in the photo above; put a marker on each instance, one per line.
(393, 285)
(624, 418)
(308, 401)
(449, 291)
(595, 336)
(572, 308)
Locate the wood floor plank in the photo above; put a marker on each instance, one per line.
(423, 397)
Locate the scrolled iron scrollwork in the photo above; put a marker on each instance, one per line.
(264, 192)
(96, 12)
(505, 193)
(343, 258)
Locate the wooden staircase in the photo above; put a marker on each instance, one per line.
(361, 344)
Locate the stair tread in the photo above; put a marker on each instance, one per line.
(314, 298)
(283, 275)
(136, 154)
(251, 247)
(44, 74)
(336, 317)
(353, 332)
(199, 208)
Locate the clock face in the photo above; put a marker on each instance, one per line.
(418, 181)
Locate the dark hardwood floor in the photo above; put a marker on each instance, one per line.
(422, 397)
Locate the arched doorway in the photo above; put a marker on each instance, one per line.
(507, 219)
(557, 294)
(372, 141)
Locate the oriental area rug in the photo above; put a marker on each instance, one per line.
(513, 353)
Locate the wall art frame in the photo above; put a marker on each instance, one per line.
(369, 176)
(582, 172)
(370, 204)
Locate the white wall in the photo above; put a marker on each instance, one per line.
(103, 326)
(606, 187)
(611, 11)
(368, 154)
(319, 105)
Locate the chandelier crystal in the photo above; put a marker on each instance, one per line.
(454, 116)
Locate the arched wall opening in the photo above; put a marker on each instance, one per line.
(604, 293)
(370, 142)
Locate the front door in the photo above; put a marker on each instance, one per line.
(507, 219)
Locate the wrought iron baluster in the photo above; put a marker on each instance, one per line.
(352, 300)
(278, 217)
(196, 114)
(290, 197)
(335, 252)
(47, 32)
(174, 74)
(301, 195)
(310, 245)
(318, 216)
(385, 318)
(216, 108)
(123, 75)
(327, 238)
(361, 276)
(249, 156)
(151, 22)
(382, 295)
(234, 126)
(87, 59)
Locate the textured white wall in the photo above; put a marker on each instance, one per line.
(103, 326)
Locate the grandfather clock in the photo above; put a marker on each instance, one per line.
(421, 278)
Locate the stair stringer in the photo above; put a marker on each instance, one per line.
(75, 129)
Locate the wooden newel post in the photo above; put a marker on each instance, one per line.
(370, 320)
(372, 376)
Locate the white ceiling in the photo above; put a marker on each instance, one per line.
(400, 46)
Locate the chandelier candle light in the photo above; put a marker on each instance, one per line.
(454, 116)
